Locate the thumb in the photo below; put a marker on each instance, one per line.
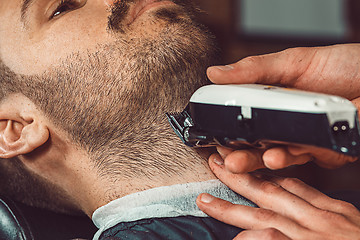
(276, 68)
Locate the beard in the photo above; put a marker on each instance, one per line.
(112, 102)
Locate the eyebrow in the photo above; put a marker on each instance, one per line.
(25, 8)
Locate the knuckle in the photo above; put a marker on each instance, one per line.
(270, 234)
(343, 159)
(291, 182)
(264, 215)
(340, 161)
(333, 218)
(353, 159)
(246, 234)
(251, 60)
(345, 207)
(224, 206)
(270, 187)
(295, 51)
(265, 234)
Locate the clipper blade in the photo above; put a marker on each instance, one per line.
(179, 121)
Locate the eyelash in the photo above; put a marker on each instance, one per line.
(67, 4)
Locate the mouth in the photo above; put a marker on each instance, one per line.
(144, 6)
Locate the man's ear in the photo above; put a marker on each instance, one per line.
(22, 129)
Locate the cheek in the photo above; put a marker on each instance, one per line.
(12, 47)
(54, 42)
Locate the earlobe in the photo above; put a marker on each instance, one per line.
(19, 135)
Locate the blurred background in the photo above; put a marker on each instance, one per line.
(253, 27)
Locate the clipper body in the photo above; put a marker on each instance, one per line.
(258, 116)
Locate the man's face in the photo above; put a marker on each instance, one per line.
(107, 76)
(36, 34)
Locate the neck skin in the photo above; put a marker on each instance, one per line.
(68, 166)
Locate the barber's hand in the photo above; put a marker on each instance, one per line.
(332, 70)
(243, 161)
(288, 209)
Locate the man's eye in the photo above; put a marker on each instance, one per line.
(65, 6)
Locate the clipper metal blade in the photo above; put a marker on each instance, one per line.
(179, 123)
(183, 125)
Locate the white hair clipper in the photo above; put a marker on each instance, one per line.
(258, 116)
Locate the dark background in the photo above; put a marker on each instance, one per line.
(221, 17)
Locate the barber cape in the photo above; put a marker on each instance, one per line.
(166, 213)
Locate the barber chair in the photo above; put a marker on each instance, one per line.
(21, 222)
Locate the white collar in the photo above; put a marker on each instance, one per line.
(168, 201)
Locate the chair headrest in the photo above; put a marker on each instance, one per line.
(22, 222)
(13, 225)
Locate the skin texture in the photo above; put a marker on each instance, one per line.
(83, 107)
(332, 70)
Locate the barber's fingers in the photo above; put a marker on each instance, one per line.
(280, 157)
(266, 234)
(289, 214)
(242, 161)
(268, 195)
(276, 68)
(323, 157)
(311, 195)
(247, 217)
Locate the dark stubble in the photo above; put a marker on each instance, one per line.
(112, 102)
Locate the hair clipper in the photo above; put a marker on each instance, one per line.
(258, 116)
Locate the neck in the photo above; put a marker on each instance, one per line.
(162, 160)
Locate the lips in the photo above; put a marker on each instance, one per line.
(143, 6)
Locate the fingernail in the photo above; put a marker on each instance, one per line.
(218, 160)
(206, 198)
(222, 68)
(225, 68)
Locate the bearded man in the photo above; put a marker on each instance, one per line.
(84, 88)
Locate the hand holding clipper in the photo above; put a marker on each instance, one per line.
(258, 116)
